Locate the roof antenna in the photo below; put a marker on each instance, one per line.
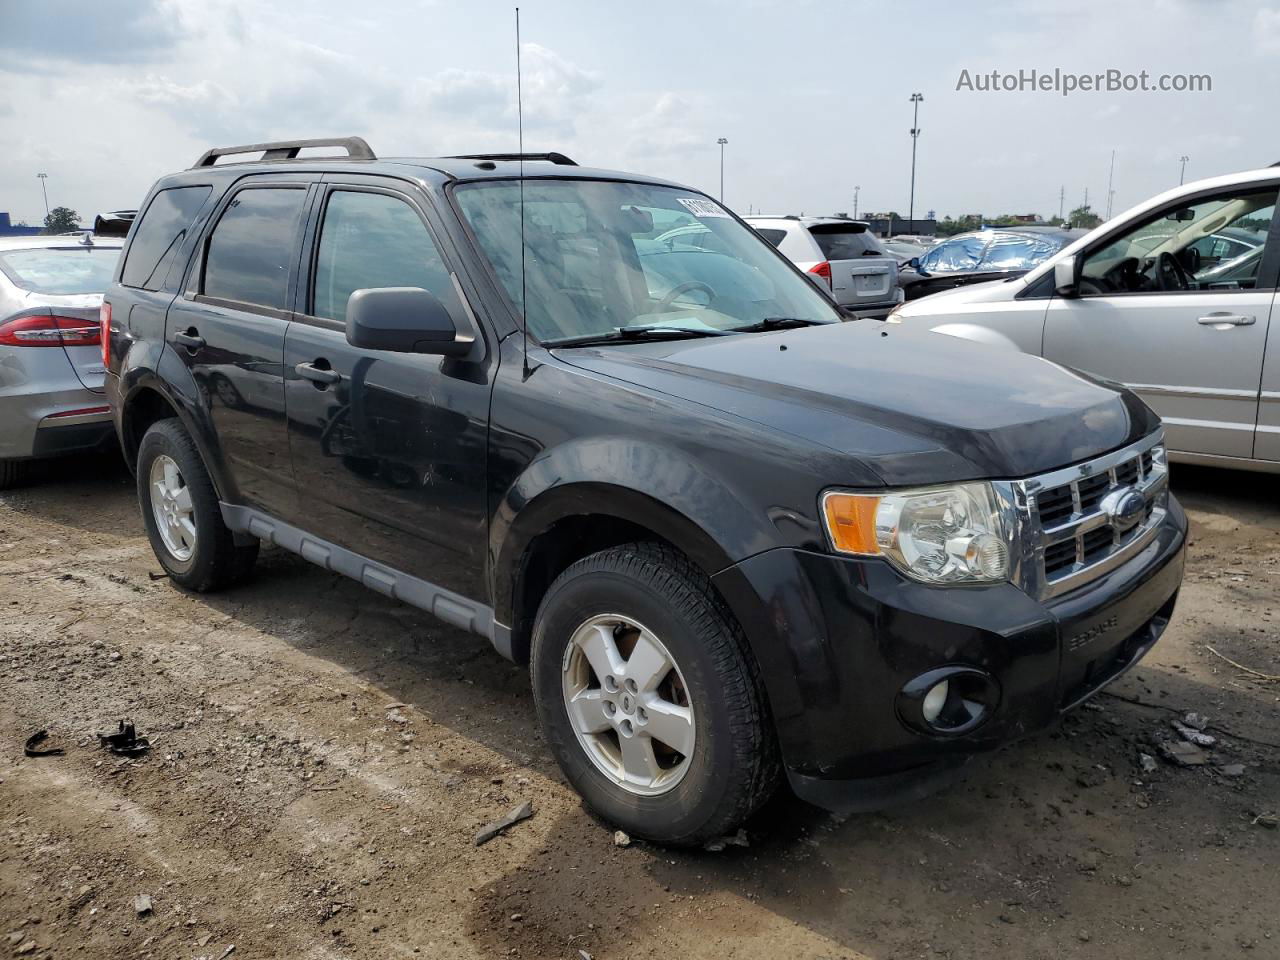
(524, 287)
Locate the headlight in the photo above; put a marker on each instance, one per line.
(892, 316)
(942, 535)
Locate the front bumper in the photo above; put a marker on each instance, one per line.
(837, 639)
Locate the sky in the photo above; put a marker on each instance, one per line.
(814, 98)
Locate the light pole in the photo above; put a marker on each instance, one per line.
(856, 188)
(916, 99)
(1182, 174)
(43, 189)
(722, 141)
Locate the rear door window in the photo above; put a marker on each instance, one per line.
(160, 234)
(841, 242)
(61, 271)
(773, 236)
(253, 246)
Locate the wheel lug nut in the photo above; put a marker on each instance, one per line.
(631, 685)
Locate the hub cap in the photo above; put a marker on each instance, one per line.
(171, 506)
(628, 704)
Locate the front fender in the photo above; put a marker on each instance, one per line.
(645, 483)
(979, 334)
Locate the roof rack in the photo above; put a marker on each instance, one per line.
(356, 149)
(557, 158)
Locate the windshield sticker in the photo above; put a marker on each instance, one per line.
(702, 208)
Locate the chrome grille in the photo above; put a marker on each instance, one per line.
(1085, 522)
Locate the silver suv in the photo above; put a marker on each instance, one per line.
(843, 254)
(51, 395)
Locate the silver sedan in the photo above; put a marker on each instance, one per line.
(51, 395)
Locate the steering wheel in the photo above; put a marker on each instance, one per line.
(685, 287)
(1170, 274)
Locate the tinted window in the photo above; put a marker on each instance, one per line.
(372, 240)
(61, 270)
(956, 254)
(252, 246)
(839, 242)
(773, 236)
(156, 241)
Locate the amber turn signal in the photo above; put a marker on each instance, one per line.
(851, 522)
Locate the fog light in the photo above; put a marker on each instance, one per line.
(934, 701)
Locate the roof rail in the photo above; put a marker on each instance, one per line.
(356, 148)
(557, 158)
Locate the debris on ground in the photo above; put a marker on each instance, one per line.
(395, 716)
(1192, 735)
(486, 833)
(1148, 763)
(1183, 754)
(1232, 770)
(621, 838)
(142, 904)
(1197, 720)
(125, 740)
(738, 839)
(1268, 820)
(35, 740)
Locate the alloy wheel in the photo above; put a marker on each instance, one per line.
(172, 508)
(628, 704)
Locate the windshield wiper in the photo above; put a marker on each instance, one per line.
(623, 334)
(778, 323)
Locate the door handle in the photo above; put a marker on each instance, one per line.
(1226, 320)
(320, 375)
(189, 339)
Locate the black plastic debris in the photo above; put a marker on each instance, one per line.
(523, 812)
(35, 740)
(125, 740)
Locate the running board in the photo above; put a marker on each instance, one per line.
(450, 607)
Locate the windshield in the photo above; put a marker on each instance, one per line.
(604, 255)
(61, 270)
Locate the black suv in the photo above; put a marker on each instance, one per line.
(730, 535)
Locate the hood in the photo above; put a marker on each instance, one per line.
(986, 291)
(914, 407)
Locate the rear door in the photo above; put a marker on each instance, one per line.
(389, 449)
(1192, 348)
(229, 327)
(862, 272)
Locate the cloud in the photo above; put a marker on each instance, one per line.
(1266, 30)
(45, 32)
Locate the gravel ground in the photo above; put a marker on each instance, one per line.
(322, 758)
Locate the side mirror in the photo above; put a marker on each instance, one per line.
(1066, 277)
(403, 320)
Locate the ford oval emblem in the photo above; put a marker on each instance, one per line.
(1124, 507)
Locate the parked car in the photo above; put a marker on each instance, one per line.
(841, 253)
(1134, 301)
(904, 251)
(51, 395)
(733, 538)
(982, 255)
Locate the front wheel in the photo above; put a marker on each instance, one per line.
(648, 697)
(181, 513)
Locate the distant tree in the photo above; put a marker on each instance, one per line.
(61, 220)
(1055, 221)
(1083, 216)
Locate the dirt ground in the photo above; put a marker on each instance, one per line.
(323, 757)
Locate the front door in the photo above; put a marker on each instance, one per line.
(229, 329)
(1188, 337)
(389, 449)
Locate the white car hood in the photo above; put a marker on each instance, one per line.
(990, 291)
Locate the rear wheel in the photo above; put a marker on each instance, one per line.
(181, 513)
(648, 698)
(14, 473)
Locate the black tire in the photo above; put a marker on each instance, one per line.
(14, 473)
(734, 767)
(216, 560)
